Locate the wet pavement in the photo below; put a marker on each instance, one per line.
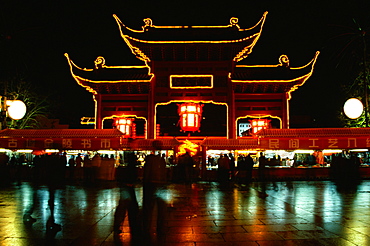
(198, 214)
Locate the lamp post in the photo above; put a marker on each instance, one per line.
(14, 109)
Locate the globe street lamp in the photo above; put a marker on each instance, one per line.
(16, 109)
(353, 108)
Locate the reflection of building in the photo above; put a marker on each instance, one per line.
(192, 64)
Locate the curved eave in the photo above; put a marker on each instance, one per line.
(294, 82)
(86, 83)
(134, 38)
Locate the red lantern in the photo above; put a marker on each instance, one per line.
(124, 125)
(190, 116)
(259, 124)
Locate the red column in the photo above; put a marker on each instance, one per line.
(98, 108)
(151, 113)
(285, 106)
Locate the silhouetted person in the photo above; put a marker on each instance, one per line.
(88, 170)
(232, 165)
(154, 180)
(249, 164)
(4, 169)
(262, 166)
(71, 167)
(223, 168)
(185, 169)
(95, 164)
(78, 170)
(128, 205)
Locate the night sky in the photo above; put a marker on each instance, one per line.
(35, 36)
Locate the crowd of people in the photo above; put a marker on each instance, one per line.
(57, 167)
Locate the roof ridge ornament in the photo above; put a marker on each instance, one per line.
(148, 23)
(99, 62)
(284, 61)
(234, 22)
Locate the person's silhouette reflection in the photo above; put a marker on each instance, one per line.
(51, 227)
(55, 172)
(127, 205)
(28, 220)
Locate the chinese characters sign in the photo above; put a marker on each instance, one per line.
(315, 143)
(60, 143)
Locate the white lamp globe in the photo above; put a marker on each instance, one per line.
(16, 109)
(353, 108)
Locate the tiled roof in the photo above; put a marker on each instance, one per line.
(61, 133)
(314, 132)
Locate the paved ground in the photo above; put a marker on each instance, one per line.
(204, 213)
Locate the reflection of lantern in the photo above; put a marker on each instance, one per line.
(259, 124)
(124, 125)
(190, 116)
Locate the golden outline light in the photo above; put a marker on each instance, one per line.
(100, 60)
(256, 116)
(141, 55)
(294, 87)
(193, 101)
(191, 76)
(127, 116)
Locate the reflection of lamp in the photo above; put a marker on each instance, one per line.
(353, 108)
(16, 109)
(190, 116)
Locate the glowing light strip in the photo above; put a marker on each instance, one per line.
(191, 76)
(294, 87)
(141, 55)
(312, 62)
(79, 79)
(191, 42)
(148, 23)
(127, 116)
(193, 101)
(254, 116)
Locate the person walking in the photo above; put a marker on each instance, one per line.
(154, 180)
(223, 168)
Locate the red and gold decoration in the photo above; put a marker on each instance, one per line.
(188, 146)
(190, 116)
(259, 124)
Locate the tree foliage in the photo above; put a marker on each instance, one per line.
(353, 62)
(36, 103)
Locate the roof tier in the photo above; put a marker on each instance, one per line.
(112, 79)
(191, 43)
(61, 133)
(271, 78)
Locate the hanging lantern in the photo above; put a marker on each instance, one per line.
(190, 116)
(124, 125)
(259, 124)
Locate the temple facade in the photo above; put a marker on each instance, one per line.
(189, 68)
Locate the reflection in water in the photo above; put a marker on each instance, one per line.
(28, 220)
(127, 206)
(51, 227)
(154, 212)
